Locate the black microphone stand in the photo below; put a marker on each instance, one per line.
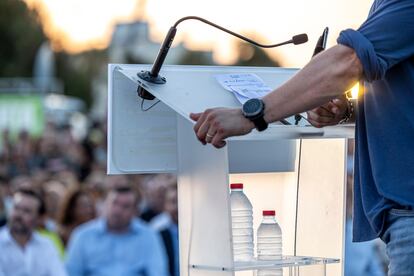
(153, 75)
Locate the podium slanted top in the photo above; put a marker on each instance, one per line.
(195, 88)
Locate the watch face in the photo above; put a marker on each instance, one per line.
(252, 107)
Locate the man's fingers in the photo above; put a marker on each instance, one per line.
(218, 141)
(319, 124)
(216, 124)
(209, 133)
(314, 123)
(207, 128)
(195, 116)
(199, 118)
(338, 107)
(323, 111)
(320, 116)
(219, 144)
(328, 114)
(200, 121)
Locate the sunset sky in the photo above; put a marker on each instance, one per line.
(84, 24)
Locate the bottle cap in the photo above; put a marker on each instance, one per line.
(236, 186)
(269, 212)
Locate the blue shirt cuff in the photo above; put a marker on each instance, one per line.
(374, 67)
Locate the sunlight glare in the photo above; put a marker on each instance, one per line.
(355, 91)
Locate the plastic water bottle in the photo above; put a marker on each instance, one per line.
(269, 242)
(242, 224)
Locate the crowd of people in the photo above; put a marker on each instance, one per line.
(61, 214)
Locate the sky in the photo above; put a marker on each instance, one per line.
(78, 25)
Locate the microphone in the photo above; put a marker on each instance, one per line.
(153, 75)
(299, 39)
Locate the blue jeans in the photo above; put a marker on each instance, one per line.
(399, 238)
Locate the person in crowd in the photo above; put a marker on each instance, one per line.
(3, 213)
(20, 182)
(67, 177)
(96, 141)
(153, 190)
(13, 185)
(95, 185)
(117, 243)
(114, 181)
(169, 229)
(54, 192)
(168, 182)
(28, 253)
(77, 208)
(51, 235)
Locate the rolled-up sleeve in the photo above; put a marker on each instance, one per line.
(384, 39)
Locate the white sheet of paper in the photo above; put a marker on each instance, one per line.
(244, 86)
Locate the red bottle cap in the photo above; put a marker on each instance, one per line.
(236, 186)
(269, 212)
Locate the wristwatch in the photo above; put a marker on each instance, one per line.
(253, 110)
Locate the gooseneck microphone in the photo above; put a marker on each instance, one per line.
(153, 75)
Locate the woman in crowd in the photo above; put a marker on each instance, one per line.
(77, 208)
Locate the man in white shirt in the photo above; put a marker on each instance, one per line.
(23, 251)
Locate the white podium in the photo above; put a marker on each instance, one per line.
(299, 171)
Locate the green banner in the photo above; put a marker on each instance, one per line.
(22, 112)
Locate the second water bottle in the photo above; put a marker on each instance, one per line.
(269, 243)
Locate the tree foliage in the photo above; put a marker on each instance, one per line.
(21, 35)
(250, 55)
(77, 71)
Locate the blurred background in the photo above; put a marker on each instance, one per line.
(53, 84)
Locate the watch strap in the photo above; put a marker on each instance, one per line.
(260, 123)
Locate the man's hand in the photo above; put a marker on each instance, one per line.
(328, 114)
(215, 125)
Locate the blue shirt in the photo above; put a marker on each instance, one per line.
(384, 155)
(93, 250)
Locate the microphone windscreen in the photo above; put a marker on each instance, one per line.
(299, 39)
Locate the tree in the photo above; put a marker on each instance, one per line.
(77, 72)
(197, 58)
(250, 55)
(21, 35)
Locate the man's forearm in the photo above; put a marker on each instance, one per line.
(326, 76)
